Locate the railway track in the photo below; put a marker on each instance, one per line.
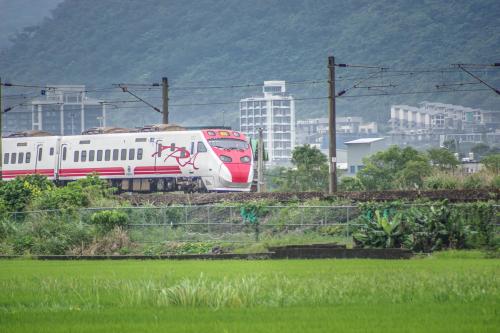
(212, 198)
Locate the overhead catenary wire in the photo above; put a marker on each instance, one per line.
(497, 91)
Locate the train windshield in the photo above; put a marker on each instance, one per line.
(228, 143)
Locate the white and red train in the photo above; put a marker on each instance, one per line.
(189, 160)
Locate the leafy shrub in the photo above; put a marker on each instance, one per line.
(49, 236)
(441, 181)
(351, 184)
(428, 227)
(474, 181)
(16, 194)
(60, 198)
(107, 220)
(382, 231)
(114, 242)
(495, 182)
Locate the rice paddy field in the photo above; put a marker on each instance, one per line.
(447, 292)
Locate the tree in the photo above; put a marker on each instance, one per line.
(451, 145)
(309, 172)
(394, 168)
(480, 150)
(351, 184)
(442, 158)
(492, 163)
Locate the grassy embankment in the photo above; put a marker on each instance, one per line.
(443, 293)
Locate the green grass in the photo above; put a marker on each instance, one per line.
(443, 293)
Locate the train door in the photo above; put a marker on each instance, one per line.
(191, 160)
(39, 157)
(61, 160)
(158, 155)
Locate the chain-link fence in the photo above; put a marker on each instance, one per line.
(225, 223)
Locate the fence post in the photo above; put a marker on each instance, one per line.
(302, 218)
(208, 219)
(325, 210)
(164, 211)
(347, 223)
(230, 219)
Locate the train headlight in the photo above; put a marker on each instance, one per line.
(245, 159)
(225, 159)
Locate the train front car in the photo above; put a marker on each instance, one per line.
(236, 160)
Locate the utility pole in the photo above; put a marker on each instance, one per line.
(164, 82)
(1, 116)
(260, 163)
(332, 131)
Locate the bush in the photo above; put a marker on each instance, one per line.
(49, 234)
(441, 181)
(107, 220)
(351, 184)
(495, 182)
(429, 227)
(474, 181)
(16, 194)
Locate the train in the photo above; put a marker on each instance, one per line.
(154, 158)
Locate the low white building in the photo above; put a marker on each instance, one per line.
(441, 118)
(358, 149)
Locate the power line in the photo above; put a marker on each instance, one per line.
(126, 90)
(479, 79)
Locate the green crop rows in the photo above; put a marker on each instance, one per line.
(457, 292)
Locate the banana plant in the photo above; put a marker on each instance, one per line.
(383, 231)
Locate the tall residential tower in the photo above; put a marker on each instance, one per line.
(275, 113)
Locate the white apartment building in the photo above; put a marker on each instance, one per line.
(440, 118)
(66, 110)
(275, 114)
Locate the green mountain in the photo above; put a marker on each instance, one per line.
(15, 15)
(230, 42)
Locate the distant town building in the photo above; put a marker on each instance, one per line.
(314, 131)
(275, 114)
(18, 117)
(439, 118)
(359, 149)
(66, 110)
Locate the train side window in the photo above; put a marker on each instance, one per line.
(40, 152)
(107, 155)
(91, 155)
(99, 155)
(20, 158)
(183, 152)
(77, 154)
(172, 146)
(201, 147)
(28, 157)
(6, 158)
(192, 148)
(65, 152)
(131, 154)
(83, 156)
(123, 154)
(139, 153)
(51, 151)
(116, 152)
(13, 157)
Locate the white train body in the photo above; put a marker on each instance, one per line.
(213, 160)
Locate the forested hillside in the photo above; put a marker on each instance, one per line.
(230, 42)
(15, 15)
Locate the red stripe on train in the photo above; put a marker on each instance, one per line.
(15, 173)
(86, 171)
(159, 170)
